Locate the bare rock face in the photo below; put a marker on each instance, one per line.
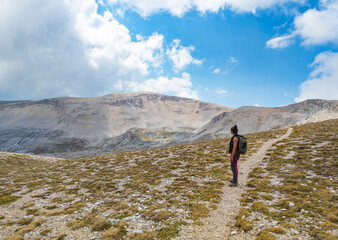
(77, 127)
(76, 124)
(256, 119)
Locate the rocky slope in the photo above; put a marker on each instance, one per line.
(110, 122)
(76, 127)
(147, 194)
(256, 119)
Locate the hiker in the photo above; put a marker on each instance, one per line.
(234, 155)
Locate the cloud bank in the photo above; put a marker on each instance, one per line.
(179, 85)
(313, 27)
(65, 48)
(323, 80)
(316, 27)
(178, 8)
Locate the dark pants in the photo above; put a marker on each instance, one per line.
(234, 167)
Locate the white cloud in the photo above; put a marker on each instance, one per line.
(233, 60)
(257, 105)
(319, 26)
(65, 48)
(233, 63)
(179, 7)
(221, 91)
(216, 71)
(280, 26)
(280, 42)
(314, 27)
(254, 5)
(149, 7)
(181, 87)
(323, 80)
(181, 56)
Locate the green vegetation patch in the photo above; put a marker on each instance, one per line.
(8, 199)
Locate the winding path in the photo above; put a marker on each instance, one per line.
(219, 222)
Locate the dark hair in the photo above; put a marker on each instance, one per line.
(234, 129)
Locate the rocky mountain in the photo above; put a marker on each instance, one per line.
(110, 123)
(256, 119)
(76, 127)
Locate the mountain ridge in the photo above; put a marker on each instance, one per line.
(73, 127)
(267, 118)
(70, 124)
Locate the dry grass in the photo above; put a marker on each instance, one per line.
(301, 181)
(30, 227)
(8, 199)
(164, 188)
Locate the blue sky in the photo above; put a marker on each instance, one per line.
(234, 53)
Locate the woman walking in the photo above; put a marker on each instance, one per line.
(234, 155)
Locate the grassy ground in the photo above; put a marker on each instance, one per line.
(295, 195)
(136, 195)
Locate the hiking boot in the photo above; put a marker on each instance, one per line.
(231, 181)
(233, 184)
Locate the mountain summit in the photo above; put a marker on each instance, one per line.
(75, 124)
(76, 127)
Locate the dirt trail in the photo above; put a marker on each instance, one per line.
(218, 224)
